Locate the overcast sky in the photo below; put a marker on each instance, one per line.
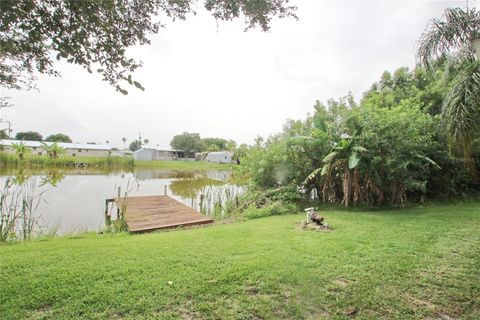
(219, 81)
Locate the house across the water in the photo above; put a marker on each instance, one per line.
(219, 157)
(157, 153)
(71, 149)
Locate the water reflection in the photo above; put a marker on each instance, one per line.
(191, 187)
(74, 199)
(52, 178)
(145, 174)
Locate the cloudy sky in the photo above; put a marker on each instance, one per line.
(219, 81)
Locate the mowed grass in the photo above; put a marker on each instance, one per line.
(410, 263)
(182, 165)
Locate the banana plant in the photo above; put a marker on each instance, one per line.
(342, 160)
(53, 150)
(20, 150)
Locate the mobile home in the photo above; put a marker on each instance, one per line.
(219, 157)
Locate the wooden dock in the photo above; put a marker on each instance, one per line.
(159, 212)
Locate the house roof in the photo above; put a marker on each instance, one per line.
(219, 153)
(157, 148)
(64, 145)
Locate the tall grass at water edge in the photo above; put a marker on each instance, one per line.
(32, 161)
(19, 215)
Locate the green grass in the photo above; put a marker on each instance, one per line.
(182, 165)
(411, 263)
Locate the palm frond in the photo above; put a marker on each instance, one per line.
(454, 32)
(429, 160)
(456, 61)
(461, 107)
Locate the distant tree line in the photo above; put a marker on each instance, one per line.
(192, 143)
(35, 136)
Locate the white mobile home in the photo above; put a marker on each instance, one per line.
(219, 157)
(155, 153)
(71, 149)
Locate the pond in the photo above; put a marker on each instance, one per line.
(73, 201)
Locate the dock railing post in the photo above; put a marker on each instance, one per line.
(165, 190)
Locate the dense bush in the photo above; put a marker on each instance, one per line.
(387, 149)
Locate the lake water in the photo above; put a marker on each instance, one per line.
(74, 200)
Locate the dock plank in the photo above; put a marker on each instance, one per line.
(148, 213)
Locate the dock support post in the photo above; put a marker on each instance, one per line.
(165, 190)
(119, 194)
(108, 220)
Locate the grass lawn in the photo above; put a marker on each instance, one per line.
(182, 165)
(411, 263)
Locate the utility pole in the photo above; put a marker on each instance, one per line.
(9, 129)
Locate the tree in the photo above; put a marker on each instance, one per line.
(231, 145)
(213, 148)
(454, 36)
(20, 150)
(59, 137)
(96, 34)
(124, 140)
(146, 141)
(135, 145)
(215, 143)
(29, 136)
(240, 152)
(190, 143)
(53, 150)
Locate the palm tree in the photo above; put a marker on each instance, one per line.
(457, 35)
(20, 150)
(124, 140)
(342, 160)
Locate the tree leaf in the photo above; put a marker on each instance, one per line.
(353, 160)
(138, 85)
(325, 169)
(330, 157)
(312, 175)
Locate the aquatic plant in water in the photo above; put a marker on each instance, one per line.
(218, 201)
(19, 214)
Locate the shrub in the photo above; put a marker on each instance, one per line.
(272, 209)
